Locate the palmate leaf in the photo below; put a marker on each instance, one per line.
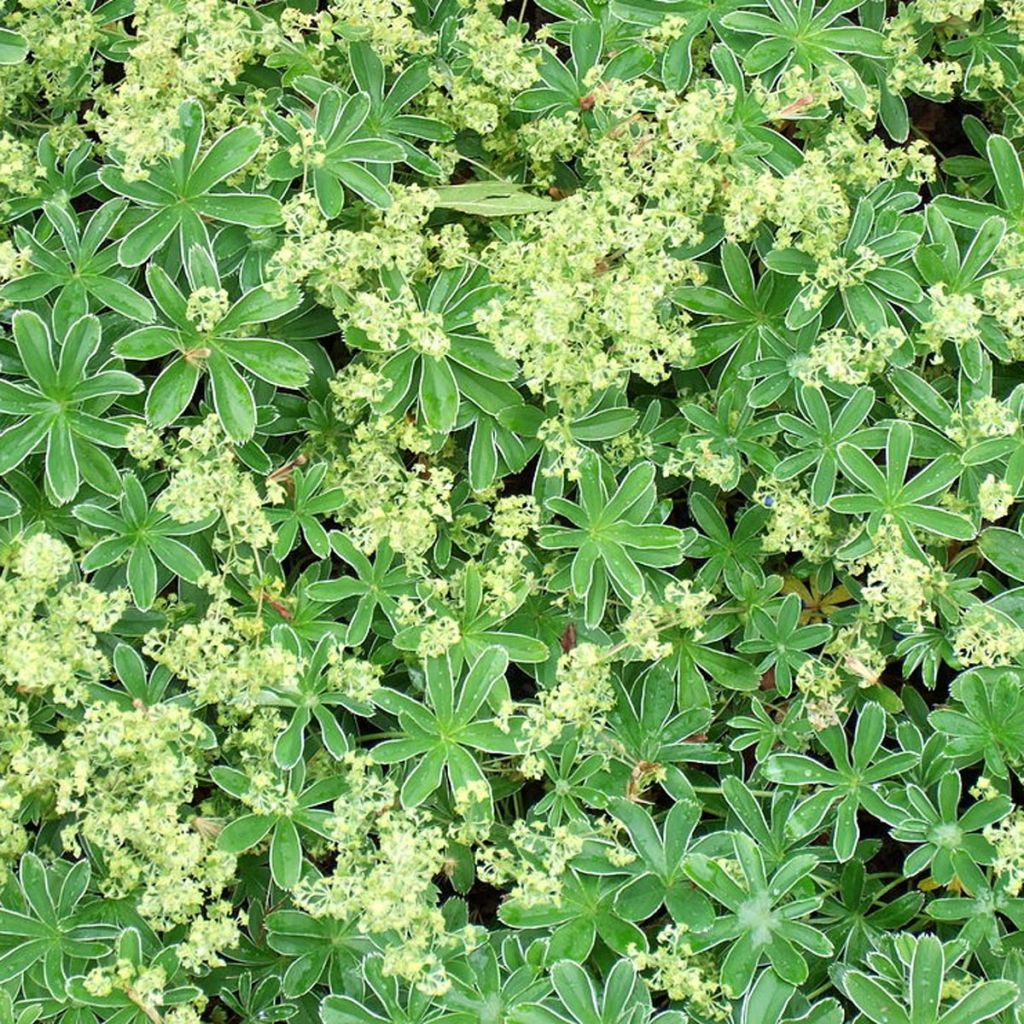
(757, 922)
(851, 781)
(315, 947)
(660, 878)
(386, 119)
(888, 495)
(878, 283)
(741, 317)
(926, 968)
(587, 913)
(613, 535)
(303, 811)
(222, 350)
(567, 87)
(442, 736)
(57, 406)
(468, 369)
(796, 33)
(143, 539)
(184, 193)
(81, 272)
(622, 996)
(49, 928)
(124, 1003)
(990, 725)
(342, 155)
(817, 436)
(944, 835)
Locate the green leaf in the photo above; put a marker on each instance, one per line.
(872, 1000)
(122, 299)
(981, 1003)
(1004, 549)
(171, 392)
(244, 833)
(250, 211)
(13, 47)
(439, 394)
(491, 199)
(1007, 171)
(285, 854)
(272, 361)
(144, 239)
(142, 578)
(232, 398)
(229, 154)
(424, 778)
(62, 474)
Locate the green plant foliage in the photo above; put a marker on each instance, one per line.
(508, 512)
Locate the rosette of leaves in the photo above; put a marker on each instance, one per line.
(889, 495)
(67, 382)
(330, 147)
(444, 361)
(882, 233)
(739, 311)
(446, 735)
(815, 39)
(851, 782)
(388, 118)
(75, 263)
(216, 345)
(45, 928)
(906, 985)
(569, 88)
(283, 823)
(756, 920)
(145, 539)
(986, 720)
(377, 585)
(617, 535)
(180, 195)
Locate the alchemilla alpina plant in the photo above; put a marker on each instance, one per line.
(511, 514)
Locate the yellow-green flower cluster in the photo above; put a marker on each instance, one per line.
(49, 623)
(127, 775)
